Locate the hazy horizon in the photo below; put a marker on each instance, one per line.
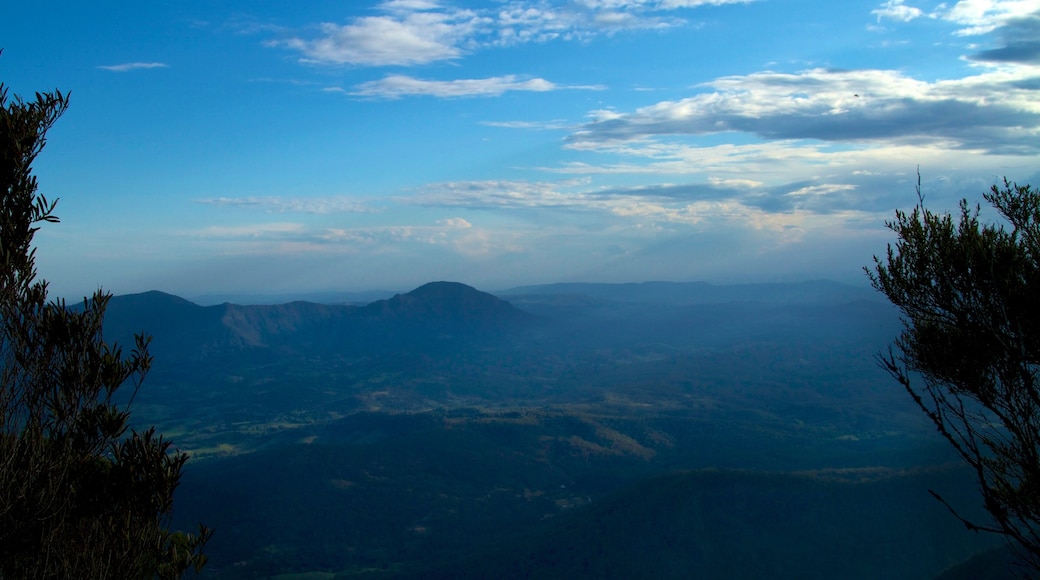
(365, 296)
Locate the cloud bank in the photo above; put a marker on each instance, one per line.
(994, 112)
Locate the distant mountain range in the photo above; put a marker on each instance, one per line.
(434, 311)
(440, 307)
(359, 298)
(652, 291)
(442, 317)
(448, 344)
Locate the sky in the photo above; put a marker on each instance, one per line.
(279, 147)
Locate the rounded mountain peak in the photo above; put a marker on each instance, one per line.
(452, 301)
(446, 290)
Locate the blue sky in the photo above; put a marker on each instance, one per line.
(275, 147)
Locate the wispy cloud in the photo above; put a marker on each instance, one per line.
(266, 231)
(323, 205)
(571, 195)
(720, 203)
(552, 125)
(397, 86)
(455, 233)
(415, 32)
(499, 194)
(129, 66)
(433, 234)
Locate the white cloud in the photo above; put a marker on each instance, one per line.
(822, 189)
(733, 200)
(397, 86)
(499, 194)
(533, 125)
(896, 10)
(457, 223)
(129, 66)
(411, 5)
(252, 231)
(414, 32)
(297, 239)
(440, 233)
(992, 112)
(720, 213)
(1016, 29)
(408, 38)
(646, 208)
(313, 205)
(671, 4)
(984, 16)
(736, 183)
(655, 4)
(842, 177)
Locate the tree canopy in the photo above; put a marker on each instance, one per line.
(81, 494)
(970, 348)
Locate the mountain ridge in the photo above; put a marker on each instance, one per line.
(441, 311)
(438, 307)
(648, 291)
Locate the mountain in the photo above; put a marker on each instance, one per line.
(447, 305)
(177, 326)
(180, 328)
(360, 298)
(446, 343)
(183, 329)
(450, 310)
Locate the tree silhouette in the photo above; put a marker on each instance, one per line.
(970, 348)
(81, 495)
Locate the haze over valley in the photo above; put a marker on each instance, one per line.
(605, 430)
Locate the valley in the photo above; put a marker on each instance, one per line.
(630, 429)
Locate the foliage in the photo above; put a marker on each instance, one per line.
(970, 348)
(80, 497)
